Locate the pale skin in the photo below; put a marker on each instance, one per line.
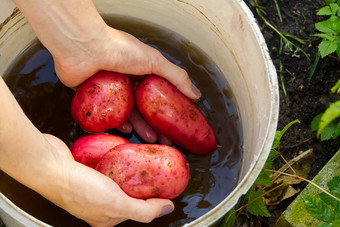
(81, 44)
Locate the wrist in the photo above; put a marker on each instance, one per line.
(63, 26)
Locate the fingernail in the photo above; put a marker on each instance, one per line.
(195, 90)
(166, 210)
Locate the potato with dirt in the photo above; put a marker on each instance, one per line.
(89, 149)
(172, 114)
(102, 102)
(146, 170)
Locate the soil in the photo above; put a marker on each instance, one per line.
(304, 98)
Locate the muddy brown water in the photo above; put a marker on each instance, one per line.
(46, 101)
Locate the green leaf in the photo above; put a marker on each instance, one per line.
(334, 184)
(324, 11)
(279, 134)
(334, 8)
(317, 208)
(327, 199)
(336, 223)
(338, 50)
(229, 218)
(331, 25)
(315, 65)
(327, 36)
(316, 122)
(328, 132)
(264, 179)
(325, 27)
(303, 42)
(268, 164)
(329, 1)
(335, 24)
(336, 87)
(264, 176)
(257, 207)
(331, 113)
(327, 47)
(337, 210)
(325, 224)
(337, 132)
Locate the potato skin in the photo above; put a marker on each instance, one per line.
(174, 115)
(89, 149)
(103, 101)
(146, 170)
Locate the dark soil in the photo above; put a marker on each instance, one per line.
(305, 98)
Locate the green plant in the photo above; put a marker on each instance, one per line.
(325, 208)
(324, 123)
(253, 202)
(330, 29)
(330, 32)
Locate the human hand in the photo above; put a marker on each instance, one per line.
(123, 53)
(82, 44)
(143, 129)
(110, 205)
(117, 51)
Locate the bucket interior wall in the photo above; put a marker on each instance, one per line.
(222, 31)
(226, 31)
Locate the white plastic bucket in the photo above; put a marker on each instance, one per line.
(227, 32)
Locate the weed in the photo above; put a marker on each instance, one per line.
(325, 208)
(253, 201)
(329, 32)
(324, 123)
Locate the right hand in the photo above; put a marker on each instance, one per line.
(117, 51)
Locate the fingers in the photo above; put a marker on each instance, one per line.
(164, 140)
(147, 210)
(143, 129)
(126, 127)
(176, 75)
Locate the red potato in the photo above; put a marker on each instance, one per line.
(89, 149)
(103, 101)
(174, 115)
(146, 170)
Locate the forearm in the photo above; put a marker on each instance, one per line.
(24, 152)
(63, 23)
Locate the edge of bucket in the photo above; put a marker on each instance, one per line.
(16, 215)
(243, 186)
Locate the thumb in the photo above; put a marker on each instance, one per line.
(147, 210)
(175, 75)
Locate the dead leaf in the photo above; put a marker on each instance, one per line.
(283, 192)
(302, 166)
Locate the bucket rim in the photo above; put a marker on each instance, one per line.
(249, 178)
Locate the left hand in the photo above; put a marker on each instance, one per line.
(93, 197)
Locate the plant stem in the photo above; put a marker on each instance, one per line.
(281, 69)
(279, 33)
(278, 10)
(304, 179)
(315, 64)
(287, 163)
